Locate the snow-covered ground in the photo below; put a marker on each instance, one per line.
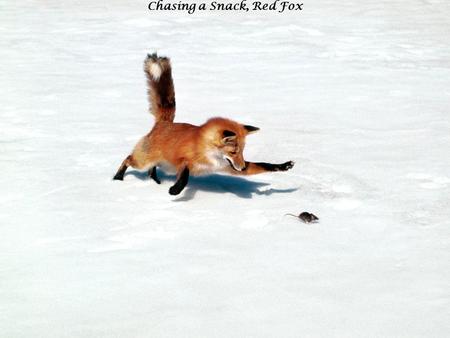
(356, 92)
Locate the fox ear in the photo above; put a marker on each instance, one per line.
(251, 129)
(228, 136)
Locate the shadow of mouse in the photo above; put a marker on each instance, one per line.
(216, 183)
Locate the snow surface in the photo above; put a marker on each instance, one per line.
(356, 92)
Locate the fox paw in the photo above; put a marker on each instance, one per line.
(118, 177)
(174, 190)
(285, 166)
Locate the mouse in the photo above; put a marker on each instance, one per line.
(306, 217)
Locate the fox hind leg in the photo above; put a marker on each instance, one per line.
(122, 169)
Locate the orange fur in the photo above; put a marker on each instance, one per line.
(199, 148)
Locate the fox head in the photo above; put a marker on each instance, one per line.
(229, 141)
(233, 145)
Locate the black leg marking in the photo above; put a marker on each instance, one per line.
(123, 167)
(153, 175)
(275, 167)
(180, 183)
(121, 172)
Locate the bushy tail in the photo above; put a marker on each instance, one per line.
(161, 93)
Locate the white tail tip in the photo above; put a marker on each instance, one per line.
(155, 71)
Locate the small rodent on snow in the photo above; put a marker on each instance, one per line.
(306, 217)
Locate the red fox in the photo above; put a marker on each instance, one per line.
(215, 146)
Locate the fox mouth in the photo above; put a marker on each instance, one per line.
(232, 165)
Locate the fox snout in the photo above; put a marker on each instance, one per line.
(237, 164)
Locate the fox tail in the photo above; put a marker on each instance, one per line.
(161, 92)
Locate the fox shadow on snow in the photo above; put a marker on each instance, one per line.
(214, 183)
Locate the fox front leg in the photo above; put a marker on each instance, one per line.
(180, 183)
(253, 168)
(152, 174)
(263, 166)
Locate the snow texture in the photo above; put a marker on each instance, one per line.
(357, 93)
